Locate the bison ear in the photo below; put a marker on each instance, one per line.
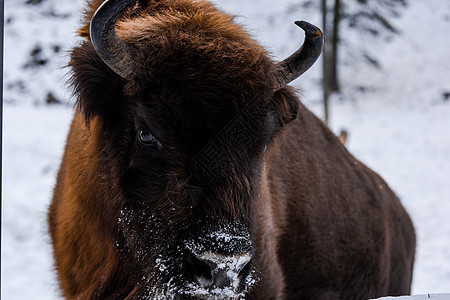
(286, 104)
(98, 89)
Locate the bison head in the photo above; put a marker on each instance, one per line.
(188, 105)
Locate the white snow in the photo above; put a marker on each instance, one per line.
(420, 297)
(398, 120)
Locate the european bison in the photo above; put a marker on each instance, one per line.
(192, 171)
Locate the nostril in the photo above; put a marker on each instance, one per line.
(216, 271)
(246, 267)
(198, 269)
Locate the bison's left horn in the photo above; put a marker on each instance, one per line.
(299, 62)
(111, 49)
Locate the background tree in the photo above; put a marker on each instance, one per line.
(366, 16)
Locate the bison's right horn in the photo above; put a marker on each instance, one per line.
(299, 62)
(111, 49)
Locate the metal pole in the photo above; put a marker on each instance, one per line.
(2, 18)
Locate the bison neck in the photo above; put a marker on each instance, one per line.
(315, 197)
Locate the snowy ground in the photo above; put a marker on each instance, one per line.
(398, 119)
(420, 297)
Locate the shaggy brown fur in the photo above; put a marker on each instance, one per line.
(322, 225)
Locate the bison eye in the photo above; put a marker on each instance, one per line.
(148, 139)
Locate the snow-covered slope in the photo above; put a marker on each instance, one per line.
(397, 117)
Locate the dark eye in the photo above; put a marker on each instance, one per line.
(148, 139)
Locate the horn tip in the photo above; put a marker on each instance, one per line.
(310, 29)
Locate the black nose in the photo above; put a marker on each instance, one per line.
(211, 270)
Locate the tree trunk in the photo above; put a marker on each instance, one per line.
(325, 81)
(334, 82)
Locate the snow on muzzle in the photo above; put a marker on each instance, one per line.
(219, 264)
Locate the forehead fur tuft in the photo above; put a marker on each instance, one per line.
(183, 45)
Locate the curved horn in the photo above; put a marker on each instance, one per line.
(299, 62)
(111, 49)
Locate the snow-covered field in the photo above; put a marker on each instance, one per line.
(398, 120)
(420, 297)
